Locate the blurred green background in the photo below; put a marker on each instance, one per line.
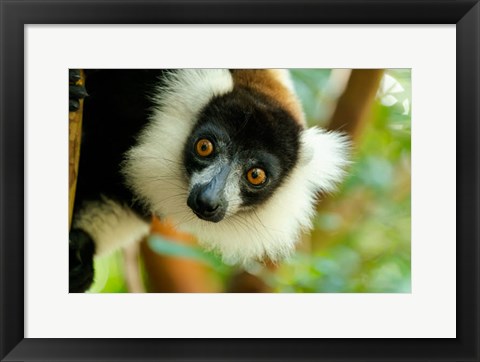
(361, 237)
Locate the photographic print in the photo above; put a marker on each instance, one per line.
(240, 180)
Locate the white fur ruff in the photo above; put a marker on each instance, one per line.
(155, 172)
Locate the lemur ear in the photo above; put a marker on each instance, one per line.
(324, 155)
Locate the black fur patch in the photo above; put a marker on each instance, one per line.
(253, 129)
(116, 110)
(81, 251)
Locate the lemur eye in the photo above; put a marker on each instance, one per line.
(256, 176)
(204, 147)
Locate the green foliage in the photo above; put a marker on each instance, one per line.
(311, 86)
(109, 274)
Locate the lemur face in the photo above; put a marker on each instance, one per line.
(237, 155)
(226, 156)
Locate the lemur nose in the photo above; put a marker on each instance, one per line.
(207, 204)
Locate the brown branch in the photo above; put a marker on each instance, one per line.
(74, 139)
(354, 105)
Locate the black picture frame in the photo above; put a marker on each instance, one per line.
(15, 14)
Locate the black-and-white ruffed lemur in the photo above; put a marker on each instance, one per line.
(223, 153)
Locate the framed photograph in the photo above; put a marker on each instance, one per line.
(280, 101)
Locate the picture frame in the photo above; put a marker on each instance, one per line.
(16, 14)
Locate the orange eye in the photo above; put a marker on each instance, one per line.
(256, 176)
(204, 147)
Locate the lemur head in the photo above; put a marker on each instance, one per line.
(227, 157)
